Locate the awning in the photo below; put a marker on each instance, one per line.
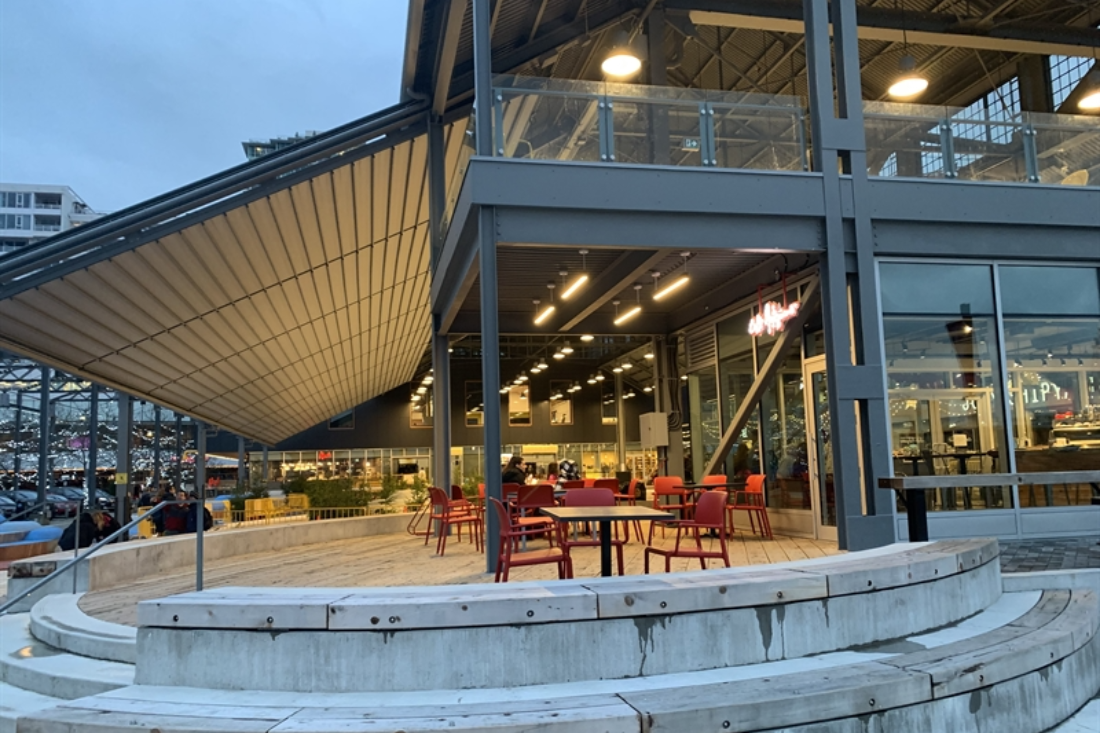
(266, 314)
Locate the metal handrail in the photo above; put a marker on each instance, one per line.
(71, 564)
(987, 480)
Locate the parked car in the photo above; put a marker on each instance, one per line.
(62, 506)
(7, 505)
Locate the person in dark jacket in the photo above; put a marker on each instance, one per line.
(94, 526)
(513, 472)
(192, 513)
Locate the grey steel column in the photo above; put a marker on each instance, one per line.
(123, 462)
(620, 422)
(658, 77)
(200, 493)
(487, 256)
(242, 466)
(45, 374)
(18, 447)
(441, 406)
(93, 449)
(156, 449)
(437, 186)
(179, 454)
(264, 468)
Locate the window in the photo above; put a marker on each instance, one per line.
(561, 404)
(475, 405)
(992, 120)
(420, 408)
(15, 200)
(1066, 72)
(609, 406)
(15, 221)
(343, 421)
(519, 406)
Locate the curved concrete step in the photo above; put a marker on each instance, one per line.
(1026, 647)
(57, 620)
(16, 702)
(29, 664)
(1087, 719)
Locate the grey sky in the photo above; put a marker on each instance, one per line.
(126, 99)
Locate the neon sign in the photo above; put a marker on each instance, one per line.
(772, 318)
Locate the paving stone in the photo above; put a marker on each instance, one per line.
(1030, 556)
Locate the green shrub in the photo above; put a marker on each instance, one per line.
(331, 493)
(418, 491)
(469, 485)
(242, 493)
(391, 485)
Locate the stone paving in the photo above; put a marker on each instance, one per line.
(1053, 554)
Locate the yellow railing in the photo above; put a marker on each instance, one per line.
(260, 512)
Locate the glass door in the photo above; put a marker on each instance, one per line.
(819, 433)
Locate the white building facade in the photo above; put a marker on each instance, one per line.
(31, 212)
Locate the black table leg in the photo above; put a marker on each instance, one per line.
(917, 515)
(605, 548)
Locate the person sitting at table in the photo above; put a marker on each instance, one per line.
(514, 472)
(552, 473)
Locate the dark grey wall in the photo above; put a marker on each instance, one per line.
(384, 421)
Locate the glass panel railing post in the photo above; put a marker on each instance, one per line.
(1031, 152)
(803, 150)
(707, 138)
(498, 122)
(947, 149)
(606, 128)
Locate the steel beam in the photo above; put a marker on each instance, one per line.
(200, 495)
(445, 58)
(521, 323)
(441, 407)
(156, 449)
(242, 465)
(891, 25)
(123, 458)
(765, 376)
(44, 432)
(17, 446)
(490, 380)
(178, 473)
(93, 449)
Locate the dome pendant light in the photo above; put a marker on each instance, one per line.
(1091, 101)
(909, 83)
(622, 60)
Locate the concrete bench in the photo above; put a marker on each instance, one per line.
(1028, 674)
(381, 639)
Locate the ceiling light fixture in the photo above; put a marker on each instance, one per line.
(600, 377)
(618, 368)
(647, 388)
(623, 59)
(592, 379)
(910, 83)
(580, 280)
(627, 364)
(559, 355)
(649, 354)
(1091, 101)
(567, 349)
(540, 317)
(675, 284)
(587, 337)
(542, 364)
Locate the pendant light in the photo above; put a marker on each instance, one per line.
(578, 281)
(600, 377)
(623, 59)
(546, 312)
(1090, 102)
(676, 284)
(909, 83)
(619, 320)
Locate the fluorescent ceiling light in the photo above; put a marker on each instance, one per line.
(672, 286)
(581, 280)
(544, 315)
(628, 315)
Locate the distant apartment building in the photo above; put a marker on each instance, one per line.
(31, 212)
(258, 148)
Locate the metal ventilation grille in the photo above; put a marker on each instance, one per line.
(701, 348)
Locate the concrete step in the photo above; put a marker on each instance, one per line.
(1087, 719)
(29, 664)
(16, 702)
(57, 620)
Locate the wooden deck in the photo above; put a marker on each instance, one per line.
(395, 560)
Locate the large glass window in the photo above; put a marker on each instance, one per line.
(475, 405)
(519, 406)
(561, 403)
(943, 375)
(736, 373)
(1052, 344)
(705, 425)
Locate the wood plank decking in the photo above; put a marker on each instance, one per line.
(394, 560)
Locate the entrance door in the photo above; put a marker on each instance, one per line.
(820, 453)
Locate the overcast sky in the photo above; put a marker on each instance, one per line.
(123, 100)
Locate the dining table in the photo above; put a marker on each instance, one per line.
(603, 516)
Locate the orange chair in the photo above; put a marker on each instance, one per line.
(751, 500)
(708, 516)
(589, 483)
(510, 556)
(717, 478)
(666, 486)
(594, 497)
(446, 515)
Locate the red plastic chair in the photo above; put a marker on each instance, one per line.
(458, 498)
(529, 500)
(629, 497)
(678, 499)
(510, 555)
(716, 479)
(751, 499)
(606, 483)
(446, 516)
(708, 516)
(594, 497)
(575, 484)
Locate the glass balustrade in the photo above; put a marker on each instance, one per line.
(603, 122)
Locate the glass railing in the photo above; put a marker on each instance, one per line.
(554, 119)
(921, 141)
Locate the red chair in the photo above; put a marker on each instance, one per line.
(716, 479)
(446, 516)
(575, 484)
(458, 498)
(679, 500)
(606, 483)
(708, 516)
(594, 497)
(528, 502)
(589, 483)
(510, 555)
(751, 500)
(630, 497)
